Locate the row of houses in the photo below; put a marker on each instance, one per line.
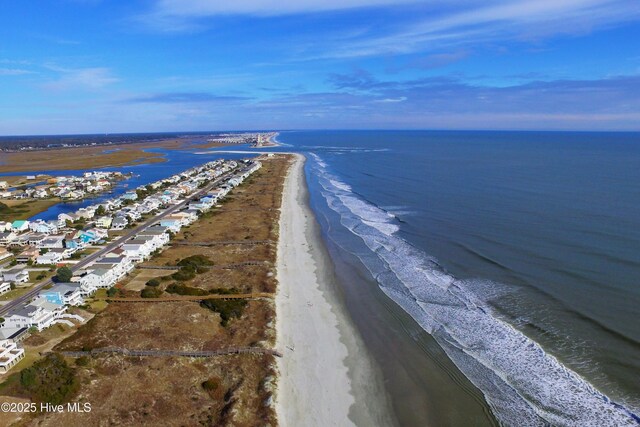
(40, 248)
(50, 306)
(65, 187)
(130, 207)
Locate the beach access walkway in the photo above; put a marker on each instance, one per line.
(223, 242)
(253, 295)
(208, 267)
(172, 353)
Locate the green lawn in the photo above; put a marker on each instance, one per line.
(12, 210)
(33, 276)
(14, 294)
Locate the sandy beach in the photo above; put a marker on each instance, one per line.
(326, 376)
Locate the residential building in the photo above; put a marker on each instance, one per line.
(52, 242)
(40, 315)
(29, 254)
(98, 278)
(15, 275)
(64, 294)
(4, 253)
(7, 237)
(5, 287)
(10, 355)
(20, 226)
(119, 223)
(104, 222)
(49, 258)
(137, 249)
(40, 226)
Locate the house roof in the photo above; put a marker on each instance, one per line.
(151, 232)
(62, 288)
(138, 240)
(46, 305)
(24, 311)
(11, 333)
(15, 270)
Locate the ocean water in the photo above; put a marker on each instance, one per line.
(519, 252)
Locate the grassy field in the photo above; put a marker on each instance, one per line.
(24, 209)
(13, 294)
(16, 181)
(87, 157)
(170, 391)
(39, 276)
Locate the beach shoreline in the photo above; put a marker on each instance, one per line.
(326, 375)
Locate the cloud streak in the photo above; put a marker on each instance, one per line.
(93, 78)
(183, 98)
(482, 22)
(14, 72)
(207, 8)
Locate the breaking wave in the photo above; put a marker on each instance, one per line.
(522, 384)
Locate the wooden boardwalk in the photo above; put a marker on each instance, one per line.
(210, 267)
(172, 353)
(222, 242)
(174, 298)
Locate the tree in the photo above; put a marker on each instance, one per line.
(50, 380)
(101, 210)
(153, 282)
(150, 292)
(64, 274)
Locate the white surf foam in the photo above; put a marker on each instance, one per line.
(522, 383)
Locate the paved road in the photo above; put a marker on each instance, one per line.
(111, 246)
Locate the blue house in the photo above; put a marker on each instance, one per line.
(88, 237)
(171, 224)
(71, 244)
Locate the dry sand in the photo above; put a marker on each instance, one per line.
(326, 376)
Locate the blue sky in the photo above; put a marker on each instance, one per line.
(91, 66)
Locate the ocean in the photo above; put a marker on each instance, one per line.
(517, 252)
(492, 275)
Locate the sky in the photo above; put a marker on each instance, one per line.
(92, 66)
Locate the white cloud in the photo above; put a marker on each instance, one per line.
(391, 100)
(14, 72)
(188, 15)
(204, 8)
(489, 21)
(80, 78)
